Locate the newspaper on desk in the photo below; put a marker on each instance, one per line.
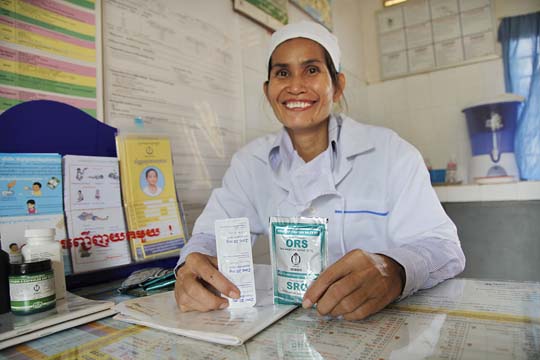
(460, 319)
(227, 327)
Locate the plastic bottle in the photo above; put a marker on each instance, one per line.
(4, 282)
(40, 244)
(451, 171)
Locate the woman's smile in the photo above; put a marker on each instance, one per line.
(300, 88)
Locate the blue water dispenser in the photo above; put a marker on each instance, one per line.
(491, 125)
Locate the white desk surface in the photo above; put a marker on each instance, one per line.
(458, 319)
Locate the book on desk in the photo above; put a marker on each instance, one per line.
(227, 327)
(69, 312)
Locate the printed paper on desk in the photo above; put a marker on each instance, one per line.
(227, 327)
(235, 258)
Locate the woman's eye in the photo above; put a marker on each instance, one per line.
(312, 70)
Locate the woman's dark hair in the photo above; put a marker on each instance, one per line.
(331, 69)
(148, 172)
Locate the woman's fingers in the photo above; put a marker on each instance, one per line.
(347, 288)
(207, 271)
(328, 277)
(195, 284)
(369, 307)
(198, 297)
(356, 286)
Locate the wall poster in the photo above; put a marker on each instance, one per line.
(424, 35)
(320, 10)
(271, 13)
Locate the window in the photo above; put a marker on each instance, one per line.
(520, 40)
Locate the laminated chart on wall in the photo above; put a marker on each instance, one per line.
(154, 221)
(320, 10)
(178, 66)
(48, 52)
(30, 198)
(423, 35)
(94, 214)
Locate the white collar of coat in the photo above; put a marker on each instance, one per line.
(349, 138)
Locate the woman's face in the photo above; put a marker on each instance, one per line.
(299, 87)
(152, 178)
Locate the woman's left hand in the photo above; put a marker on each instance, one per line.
(356, 286)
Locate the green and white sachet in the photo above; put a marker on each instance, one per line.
(298, 248)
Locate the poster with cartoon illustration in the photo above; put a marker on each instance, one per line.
(30, 184)
(97, 239)
(94, 214)
(30, 198)
(91, 182)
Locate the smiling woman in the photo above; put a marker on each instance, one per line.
(388, 235)
(301, 92)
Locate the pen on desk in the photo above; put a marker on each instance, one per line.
(158, 279)
(159, 285)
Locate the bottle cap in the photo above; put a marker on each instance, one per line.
(39, 233)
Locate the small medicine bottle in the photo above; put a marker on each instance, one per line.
(31, 287)
(451, 171)
(40, 244)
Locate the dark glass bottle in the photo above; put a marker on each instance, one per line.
(4, 282)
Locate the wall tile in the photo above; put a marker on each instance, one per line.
(469, 85)
(397, 95)
(493, 78)
(443, 87)
(376, 104)
(418, 91)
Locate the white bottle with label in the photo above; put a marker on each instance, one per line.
(40, 244)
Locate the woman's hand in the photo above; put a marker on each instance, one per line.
(356, 286)
(199, 284)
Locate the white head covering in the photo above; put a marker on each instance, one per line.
(309, 30)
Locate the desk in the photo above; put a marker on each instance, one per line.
(458, 319)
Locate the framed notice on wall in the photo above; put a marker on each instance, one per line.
(320, 10)
(271, 13)
(424, 35)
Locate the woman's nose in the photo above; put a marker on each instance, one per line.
(296, 85)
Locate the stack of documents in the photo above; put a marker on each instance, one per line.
(153, 216)
(94, 214)
(227, 327)
(69, 312)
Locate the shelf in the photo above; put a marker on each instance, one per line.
(518, 191)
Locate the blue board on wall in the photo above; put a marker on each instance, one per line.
(43, 126)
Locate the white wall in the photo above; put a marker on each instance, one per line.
(426, 109)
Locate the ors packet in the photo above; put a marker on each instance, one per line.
(235, 259)
(298, 248)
